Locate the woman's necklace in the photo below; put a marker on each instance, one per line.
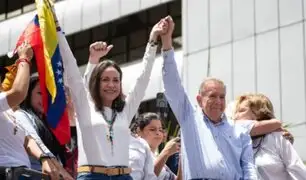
(110, 123)
(13, 119)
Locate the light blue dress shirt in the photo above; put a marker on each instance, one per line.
(217, 151)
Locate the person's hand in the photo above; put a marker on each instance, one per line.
(157, 30)
(25, 51)
(172, 147)
(62, 171)
(287, 135)
(166, 37)
(98, 50)
(50, 169)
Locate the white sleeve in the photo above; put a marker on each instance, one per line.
(140, 160)
(246, 124)
(137, 92)
(3, 102)
(24, 120)
(293, 163)
(89, 68)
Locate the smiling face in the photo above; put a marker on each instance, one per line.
(212, 99)
(36, 99)
(105, 84)
(110, 85)
(153, 133)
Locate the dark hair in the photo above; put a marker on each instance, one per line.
(143, 120)
(3, 71)
(42, 127)
(94, 86)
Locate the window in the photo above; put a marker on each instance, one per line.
(129, 35)
(13, 8)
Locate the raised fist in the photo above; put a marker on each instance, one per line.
(166, 37)
(158, 29)
(98, 50)
(25, 51)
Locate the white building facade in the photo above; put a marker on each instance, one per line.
(252, 45)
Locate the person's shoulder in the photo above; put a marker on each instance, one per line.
(240, 128)
(23, 116)
(275, 135)
(138, 143)
(245, 125)
(21, 112)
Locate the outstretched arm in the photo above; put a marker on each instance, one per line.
(19, 90)
(97, 50)
(174, 90)
(265, 127)
(137, 92)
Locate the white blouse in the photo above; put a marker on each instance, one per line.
(141, 160)
(12, 152)
(92, 130)
(275, 157)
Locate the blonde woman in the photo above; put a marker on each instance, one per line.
(274, 156)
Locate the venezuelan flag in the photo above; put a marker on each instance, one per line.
(41, 33)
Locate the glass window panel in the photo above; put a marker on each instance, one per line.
(81, 55)
(178, 27)
(138, 38)
(176, 8)
(82, 39)
(100, 33)
(120, 58)
(156, 13)
(137, 53)
(119, 45)
(13, 5)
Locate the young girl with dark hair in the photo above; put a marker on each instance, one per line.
(149, 127)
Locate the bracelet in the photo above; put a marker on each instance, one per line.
(153, 43)
(45, 156)
(23, 60)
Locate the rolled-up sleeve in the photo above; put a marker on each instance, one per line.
(89, 69)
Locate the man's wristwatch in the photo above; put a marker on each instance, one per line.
(45, 156)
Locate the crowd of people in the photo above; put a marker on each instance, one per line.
(245, 142)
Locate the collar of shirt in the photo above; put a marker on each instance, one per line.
(222, 122)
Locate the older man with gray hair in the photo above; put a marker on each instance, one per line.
(212, 146)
